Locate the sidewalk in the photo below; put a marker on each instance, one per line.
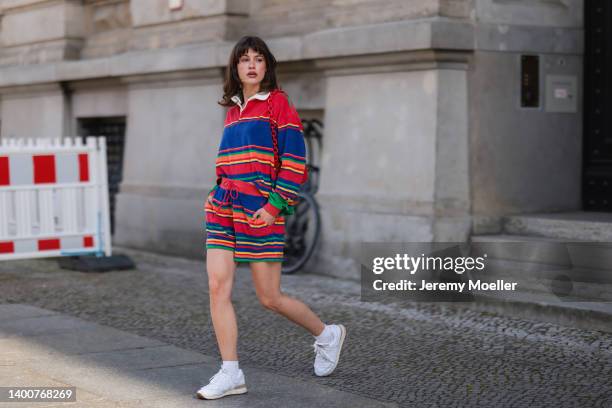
(112, 368)
(426, 355)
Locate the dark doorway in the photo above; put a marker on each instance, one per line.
(113, 128)
(597, 159)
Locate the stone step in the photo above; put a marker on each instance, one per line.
(523, 253)
(560, 280)
(579, 225)
(527, 305)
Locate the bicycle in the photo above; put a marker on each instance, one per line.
(304, 226)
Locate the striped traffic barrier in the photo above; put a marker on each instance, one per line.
(53, 198)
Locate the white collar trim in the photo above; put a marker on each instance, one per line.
(262, 96)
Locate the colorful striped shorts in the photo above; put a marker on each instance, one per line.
(230, 224)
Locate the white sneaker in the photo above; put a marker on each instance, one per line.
(327, 355)
(222, 384)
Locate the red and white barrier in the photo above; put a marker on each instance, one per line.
(53, 198)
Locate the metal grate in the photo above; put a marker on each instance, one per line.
(113, 128)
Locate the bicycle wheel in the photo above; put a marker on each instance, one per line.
(302, 233)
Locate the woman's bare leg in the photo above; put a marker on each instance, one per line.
(221, 267)
(266, 277)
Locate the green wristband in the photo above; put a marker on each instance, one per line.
(279, 202)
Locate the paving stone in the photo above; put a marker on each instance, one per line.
(41, 325)
(135, 378)
(421, 354)
(11, 312)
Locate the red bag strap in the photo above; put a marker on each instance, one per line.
(274, 130)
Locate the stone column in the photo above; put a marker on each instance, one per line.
(395, 164)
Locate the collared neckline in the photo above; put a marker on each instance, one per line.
(262, 96)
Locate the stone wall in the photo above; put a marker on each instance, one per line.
(40, 31)
(108, 26)
(70, 29)
(424, 136)
(271, 18)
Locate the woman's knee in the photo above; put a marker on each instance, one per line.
(220, 269)
(219, 288)
(271, 302)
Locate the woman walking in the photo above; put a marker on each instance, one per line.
(260, 167)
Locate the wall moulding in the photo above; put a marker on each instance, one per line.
(392, 62)
(186, 78)
(11, 6)
(94, 84)
(29, 90)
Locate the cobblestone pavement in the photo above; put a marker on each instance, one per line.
(423, 355)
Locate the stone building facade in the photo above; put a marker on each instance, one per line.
(431, 132)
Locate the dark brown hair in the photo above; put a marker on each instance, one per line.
(232, 84)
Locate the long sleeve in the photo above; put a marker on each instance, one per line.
(292, 154)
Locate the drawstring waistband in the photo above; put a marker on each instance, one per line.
(232, 188)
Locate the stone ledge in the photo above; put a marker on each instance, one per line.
(439, 34)
(581, 315)
(435, 33)
(404, 36)
(16, 4)
(42, 52)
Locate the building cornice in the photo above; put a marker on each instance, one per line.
(431, 41)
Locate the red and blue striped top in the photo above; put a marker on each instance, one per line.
(246, 151)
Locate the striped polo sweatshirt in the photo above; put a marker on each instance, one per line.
(246, 151)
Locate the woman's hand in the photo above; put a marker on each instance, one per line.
(265, 216)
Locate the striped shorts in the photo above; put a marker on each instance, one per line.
(230, 224)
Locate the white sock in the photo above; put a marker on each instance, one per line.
(231, 367)
(326, 336)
